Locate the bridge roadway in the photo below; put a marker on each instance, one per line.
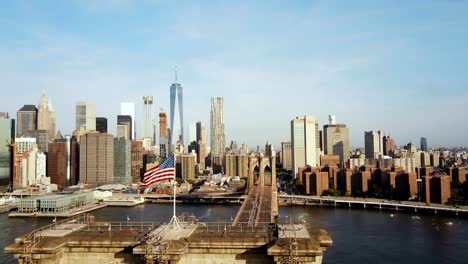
(370, 202)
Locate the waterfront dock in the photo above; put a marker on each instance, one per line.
(72, 212)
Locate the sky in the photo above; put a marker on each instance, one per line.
(395, 66)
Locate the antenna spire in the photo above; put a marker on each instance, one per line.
(175, 74)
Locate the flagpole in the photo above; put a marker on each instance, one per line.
(175, 168)
(174, 223)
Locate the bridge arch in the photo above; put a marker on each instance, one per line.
(262, 170)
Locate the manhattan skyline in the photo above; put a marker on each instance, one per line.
(389, 67)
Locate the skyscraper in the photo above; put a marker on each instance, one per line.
(85, 116)
(373, 144)
(286, 155)
(127, 121)
(201, 144)
(176, 91)
(46, 117)
(218, 142)
(7, 133)
(101, 124)
(389, 146)
(336, 141)
(128, 108)
(63, 161)
(147, 127)
(424, 144)
(305, 143)
(163, 140)
(122, 161)
(26, 120)
(96, 158)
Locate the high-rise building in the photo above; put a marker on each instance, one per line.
(63, 161)
(218, 142)
(185, 166)
(137, 153)
(147, 126)
(269, 150)
(32, 169)
(305, 143)
(42, 138)
(127, 121)
(236, 165)
(7, 135)
(101, 125)
(286, 155)
(373, 144)
(122, 161)
(24, 144)
(85, 116)
(201, 144)
(336, 141)
(26, 119)
(389, 146)
(96, 158)
(176, 91)
(122, 131)
(128, 109)
(423, 144)
(163, 138)
(46, 117)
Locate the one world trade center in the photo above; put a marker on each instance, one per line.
(176, 90)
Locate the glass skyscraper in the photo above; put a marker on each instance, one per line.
(7, 133)
(176, 90)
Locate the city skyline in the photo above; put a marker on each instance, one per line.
(378, 80)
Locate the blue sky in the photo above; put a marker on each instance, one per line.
(397, 66)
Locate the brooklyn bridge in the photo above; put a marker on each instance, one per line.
(254, 235)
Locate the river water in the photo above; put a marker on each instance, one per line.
(359, 236)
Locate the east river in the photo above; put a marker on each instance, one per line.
(359, 236)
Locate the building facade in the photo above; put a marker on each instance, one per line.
(7, 151)
(176, 91)
(42, 138)
(137, 154)
(96, 158)
(305, 143)
(336, 141)
(218, 141)
(201, 144)
(26, 119)
(373, 144)
(185, 166)
(101, 125)
(126, 120)
(63, 162)
(286, 155)
(389, 146)
(423, 144)
(46, 117)
(163, 135)
(85, 116)
(122, 161)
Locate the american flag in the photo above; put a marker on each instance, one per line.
(162, 172)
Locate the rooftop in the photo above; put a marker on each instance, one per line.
(28, 108)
